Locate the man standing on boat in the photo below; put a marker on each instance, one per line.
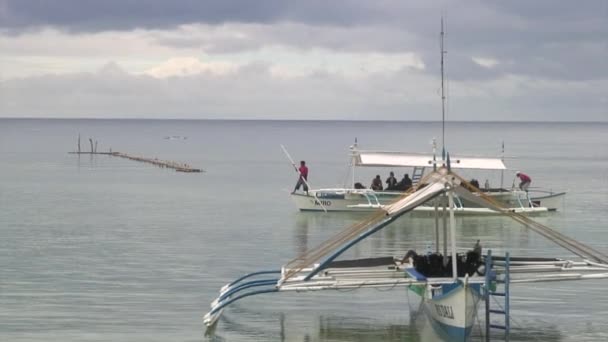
(525, 181)
(303, 170)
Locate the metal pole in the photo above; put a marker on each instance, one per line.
(354, 162)
(442, 90)
(437, 248)
(453, 235)
(502, 172)
(437, 226)
(445, 231)
(487, 292)
(507, 298)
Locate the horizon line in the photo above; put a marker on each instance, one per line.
(302, 120)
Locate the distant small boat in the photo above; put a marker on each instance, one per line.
(175, 137)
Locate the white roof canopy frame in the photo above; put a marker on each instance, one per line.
(400, 159)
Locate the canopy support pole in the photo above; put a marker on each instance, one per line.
(436, 227)
(445, 231)
(453, 236)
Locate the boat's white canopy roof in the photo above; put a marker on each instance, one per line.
(400, 159)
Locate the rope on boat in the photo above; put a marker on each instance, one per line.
(313, 255)
(560, 239)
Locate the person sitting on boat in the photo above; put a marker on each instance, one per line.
(391, 182)
(359, 186)
(474, 182)
(525, 181)
(405, 183)
(303, 170)
(477, 247)
(376, 183)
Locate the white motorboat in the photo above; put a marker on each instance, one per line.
(354, 198)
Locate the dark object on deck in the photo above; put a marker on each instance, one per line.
(368, 262)
(432, 265)
(474, 182)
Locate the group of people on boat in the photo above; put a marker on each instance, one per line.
(439, 265)
(391, 183)
(474, 182)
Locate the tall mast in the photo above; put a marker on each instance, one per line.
(442, 92)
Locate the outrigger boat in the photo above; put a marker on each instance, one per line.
(450, 284)
(354, 198)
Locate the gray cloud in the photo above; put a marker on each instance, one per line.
(254, 92)
(552, 53)
(305, 37)
(537, 51)
(93, 15)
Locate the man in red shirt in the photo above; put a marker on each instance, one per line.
(525, 180)
(303, 170)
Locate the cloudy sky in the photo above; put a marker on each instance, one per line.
(312, 59)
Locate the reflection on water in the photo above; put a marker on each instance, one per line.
(336, 328)
(418, 232)
(301, 233)
(420, 329)
(345, 329)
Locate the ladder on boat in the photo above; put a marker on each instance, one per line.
(491, 290)
(417, 174)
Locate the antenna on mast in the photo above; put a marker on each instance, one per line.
(441, 46)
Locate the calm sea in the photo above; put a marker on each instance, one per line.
(105, 249)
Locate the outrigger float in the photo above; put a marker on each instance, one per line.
(451, 285)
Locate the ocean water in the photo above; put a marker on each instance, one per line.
(105, 249)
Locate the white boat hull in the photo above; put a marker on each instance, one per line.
(452, 309)
(344, 200)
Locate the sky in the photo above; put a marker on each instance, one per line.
(516, 60)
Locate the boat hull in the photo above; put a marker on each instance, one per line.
(342, 200)
(551, 201)
(521, 199)
(452, 309)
